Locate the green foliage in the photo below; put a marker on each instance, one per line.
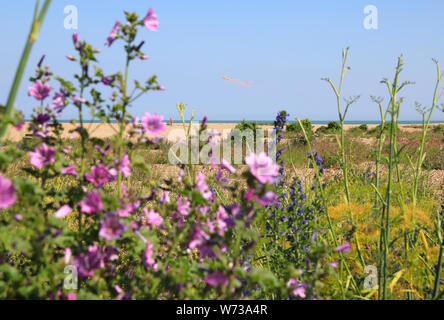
(295, 131)
(332, 127)
(247, 125)
(386, 128)
(296, 128)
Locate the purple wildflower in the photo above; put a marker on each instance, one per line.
(39, 90)
(63, 212)
(262, 167)
(128, 208)
(87, 263)
(111, 227)
(153, 124)
(152, 217)
(164, 198)
(223, 221)
(69, 171)
(75, 40)
(150, 21)
(343, 248)
(42, 156)
(113, 35)
(106, 81)
(99, 175)
(217, 279)
(21, 122)
(203, 188)
(7, 193)
(183, 206)
(267, 198)
(123, 165)
(148, 255)
(78, 100)
(227, 166)
(92, 204)
(58, 102)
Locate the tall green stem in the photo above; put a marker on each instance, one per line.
(122, 123)
(377, 178)
(342, 118)
(82, 138)
(425, 126)
(324, 203)
(343, 161)
(32, 37)
(441, 252)
(393, 111)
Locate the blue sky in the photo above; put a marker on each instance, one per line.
(284, 47)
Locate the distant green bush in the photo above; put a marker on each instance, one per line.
(332, 127)
(245, 125)
(439, 128)
(357, 131)
(296, 128)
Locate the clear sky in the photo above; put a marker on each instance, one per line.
(284, 47)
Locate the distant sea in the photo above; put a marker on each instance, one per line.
(271, 121)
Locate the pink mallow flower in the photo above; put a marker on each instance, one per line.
(58, 102)
(202, 187)
(153, 124)
(267, 198)
(150, 21)
(92, 204)
(199, 240)
(123, 165)
(227, 166)
(75, 40)
(152, 217)
(343, 248)
(69, 171)
(99, 175)
(21, 122)
(147, 257)
(42, 156)
(63, 211)
(217, 279)
(87, 263)
(7, 193)
(223, 221)
(39, 90)
(71, 296)
(78, 100)
(111, 227)
(128, 208)
(262, 167)
(164, 198)
(298, 289)
(113, 35)
(183, 206)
